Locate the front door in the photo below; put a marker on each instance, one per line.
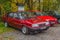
(16, 21)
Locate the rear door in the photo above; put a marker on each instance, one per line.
(10, 19)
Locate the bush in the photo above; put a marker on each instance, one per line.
(7, 6)
(0, 18)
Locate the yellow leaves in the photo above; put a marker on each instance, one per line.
(33, 4)
(20, 1)
(26, 7)
(14, 7)
(2, 9)
(15, 1)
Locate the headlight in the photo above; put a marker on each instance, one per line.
(55, 19)
(47, 20)
(47, 23)
(35, 25)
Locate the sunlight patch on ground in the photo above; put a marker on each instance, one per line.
(4, 29)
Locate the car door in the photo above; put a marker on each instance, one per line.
(16, 21)
(10, 19)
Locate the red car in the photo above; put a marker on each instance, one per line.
(45, 17)
(25, 21)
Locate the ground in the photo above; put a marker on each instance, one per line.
(11, 34)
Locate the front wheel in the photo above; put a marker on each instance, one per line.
(25, 30)
(46, 28)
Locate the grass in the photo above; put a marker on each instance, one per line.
(4, 29)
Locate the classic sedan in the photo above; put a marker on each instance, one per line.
(25, 21)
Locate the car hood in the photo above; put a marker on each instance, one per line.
(47, 17)
(34, 20)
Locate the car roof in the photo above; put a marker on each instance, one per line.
(25, 11)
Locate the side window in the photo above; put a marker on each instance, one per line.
(20, 15)
(10, 14)
(15, 15)
(38, 14)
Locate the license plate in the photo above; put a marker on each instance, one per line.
(52, 22)
(42, 27)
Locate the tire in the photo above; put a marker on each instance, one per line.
(51, 24)
(58, 20)
(6, 24)
(25, 30)
(46, 28)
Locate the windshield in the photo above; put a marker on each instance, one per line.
(40, 13)
(57, 13)
(24, 15)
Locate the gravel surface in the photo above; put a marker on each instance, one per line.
(52, 34)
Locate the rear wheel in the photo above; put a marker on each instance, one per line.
(25, 30)
(58, 20)
(6, 24)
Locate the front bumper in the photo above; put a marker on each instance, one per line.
(53, 23)
(39, 29)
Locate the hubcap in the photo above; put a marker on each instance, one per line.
(5, 24)
(59, 21)
(24, 30)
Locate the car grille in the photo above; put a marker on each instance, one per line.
(41, 25)
(52, 21)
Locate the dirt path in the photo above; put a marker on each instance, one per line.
(52, 34)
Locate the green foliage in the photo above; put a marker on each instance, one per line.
(58, 1)
(50, 5)
(4, 29)
(2, 1)
(7, 6)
